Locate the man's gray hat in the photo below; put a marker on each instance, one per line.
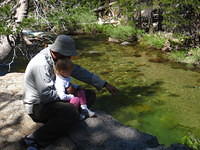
(64, 45)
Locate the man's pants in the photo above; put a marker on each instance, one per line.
(58, 118)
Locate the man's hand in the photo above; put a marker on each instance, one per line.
(71, 90)
(113, 90)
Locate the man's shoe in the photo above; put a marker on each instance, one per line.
(32, 148)
(82, 116)
(88, 113)
(29, 143)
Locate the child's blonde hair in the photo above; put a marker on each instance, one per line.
(63, 65)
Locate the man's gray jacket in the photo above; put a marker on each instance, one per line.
(39, 80)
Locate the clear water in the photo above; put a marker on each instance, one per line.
(156, 96)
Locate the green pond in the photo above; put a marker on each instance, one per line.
(156, 96)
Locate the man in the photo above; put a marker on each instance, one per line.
(41, 100)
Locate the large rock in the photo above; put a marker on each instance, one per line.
(100, 133)
(14, 123)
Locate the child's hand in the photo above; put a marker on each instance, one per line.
(71, 90)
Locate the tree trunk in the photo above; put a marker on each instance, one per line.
(5, 44)
(5, 47)
(21, 11)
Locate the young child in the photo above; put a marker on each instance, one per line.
(68, 91)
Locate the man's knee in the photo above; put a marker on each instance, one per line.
(68, 109)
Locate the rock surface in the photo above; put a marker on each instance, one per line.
(125, 43)
(100, 133)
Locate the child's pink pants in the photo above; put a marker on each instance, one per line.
(80, 99)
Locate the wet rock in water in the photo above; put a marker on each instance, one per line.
(158, 60)
(166, 47)
(113, 40)
(137, 55)
(92, 53)
(125, 43)
(100, 133)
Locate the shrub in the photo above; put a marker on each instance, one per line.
(95, 28)
(153, 40)
(178, 56)
(71, 19)
(124, 33)
(192, 56)
(191, 142)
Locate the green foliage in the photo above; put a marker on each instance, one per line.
(93, 28)
(192, 56)
(105, 28)
(57, 16)
(178, 56)
(71, 19)
(5, 11)
(178, 13)
(195, 52)
(28, 23)
(153, 40)
(72, 15)
(130, 7)
(4, 16)
(4, 29)
(191, 142)
(180, 37)
(124, 33)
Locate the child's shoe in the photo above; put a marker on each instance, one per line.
(90, 113)
(87, 112)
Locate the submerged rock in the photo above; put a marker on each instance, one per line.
(92, 53)
(125, 43)
(113, 40)
(100, 133)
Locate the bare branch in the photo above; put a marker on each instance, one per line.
(40, 14)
